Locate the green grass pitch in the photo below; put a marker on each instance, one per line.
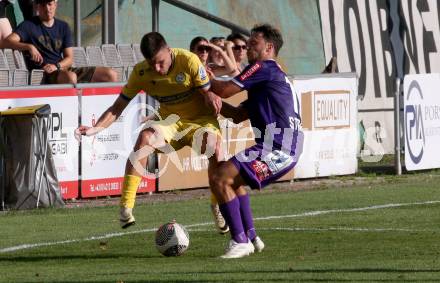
(374, 232)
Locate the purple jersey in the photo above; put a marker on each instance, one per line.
(272, 105)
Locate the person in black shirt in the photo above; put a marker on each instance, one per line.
(47, 44)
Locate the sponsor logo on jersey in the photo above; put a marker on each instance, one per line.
(261, 169)
(250, 72)
(202, 73)
(180, 78)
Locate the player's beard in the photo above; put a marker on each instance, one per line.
(252, 56)
(252, 61)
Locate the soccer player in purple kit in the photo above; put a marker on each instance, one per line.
(273, 110)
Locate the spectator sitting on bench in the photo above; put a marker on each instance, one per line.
(47, 44)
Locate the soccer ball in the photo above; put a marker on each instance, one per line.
(172, 239)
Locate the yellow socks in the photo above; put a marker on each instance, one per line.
(129, 188)
(213, 199)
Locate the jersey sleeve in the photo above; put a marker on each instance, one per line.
(252, 75)
(197, 72)
(133, 86)
(22, 31)
(68, 40)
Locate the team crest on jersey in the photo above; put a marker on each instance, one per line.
(202, 73)
(180, 78)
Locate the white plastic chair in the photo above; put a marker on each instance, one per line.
(19, 76)
(80, 58)
(137, 52)
(4, 71)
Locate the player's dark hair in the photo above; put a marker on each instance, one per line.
(270, 34)
(151, 43)
(195, 41)
(234, 36)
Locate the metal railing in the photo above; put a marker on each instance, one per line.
(193, 10)
(109, 19)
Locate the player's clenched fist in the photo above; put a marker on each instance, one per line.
(86, 131)
(214, 102)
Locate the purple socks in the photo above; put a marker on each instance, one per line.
(246, 216)
(238, 216)
(232, 215)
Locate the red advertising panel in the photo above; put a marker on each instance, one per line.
(112, 186)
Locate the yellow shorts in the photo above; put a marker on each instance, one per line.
(182, 132)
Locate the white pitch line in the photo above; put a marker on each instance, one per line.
(330, 229)
(347, 229)
(320, 212)
(305, 214)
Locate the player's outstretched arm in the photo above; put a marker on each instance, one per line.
(224, 89)
(106, 119)
(237, 114)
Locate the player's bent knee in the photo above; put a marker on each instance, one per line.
(217, 187)
(220, 180)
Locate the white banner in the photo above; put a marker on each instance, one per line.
(329, 118)
(420, 21)
(63, 120)
(422, 121)
(358, 34)
(103, 156)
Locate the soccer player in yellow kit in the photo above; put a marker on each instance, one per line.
(178, 81)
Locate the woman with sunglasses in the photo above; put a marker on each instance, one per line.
(239, 49)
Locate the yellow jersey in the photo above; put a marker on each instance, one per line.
(178, 91)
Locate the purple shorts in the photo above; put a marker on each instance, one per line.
(260, 167)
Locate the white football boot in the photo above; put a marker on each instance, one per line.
(238, 250)
(126, 218)
(220, 222)
(258, 244)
